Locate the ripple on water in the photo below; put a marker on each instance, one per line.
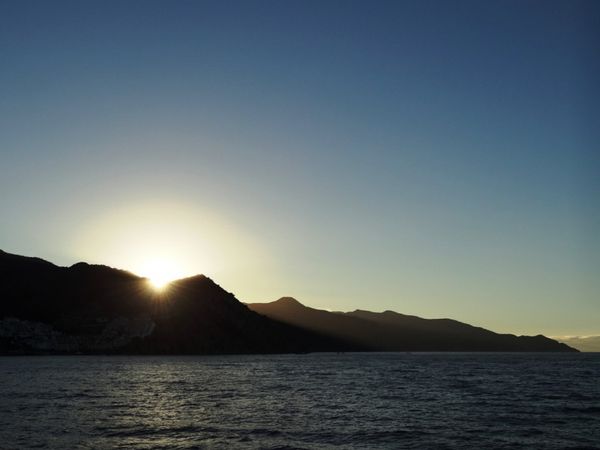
(302, 401)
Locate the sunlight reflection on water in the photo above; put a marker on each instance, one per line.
(380, 400)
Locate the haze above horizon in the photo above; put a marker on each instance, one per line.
(432, 158)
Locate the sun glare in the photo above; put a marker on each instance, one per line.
(160, 273)
(159, 282)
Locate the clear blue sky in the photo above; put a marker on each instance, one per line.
(434, 158)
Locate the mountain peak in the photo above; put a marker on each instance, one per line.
(288, 301)
(198, 278)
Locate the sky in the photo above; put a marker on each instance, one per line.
(436, 158)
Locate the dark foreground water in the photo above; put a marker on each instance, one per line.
(385, 400)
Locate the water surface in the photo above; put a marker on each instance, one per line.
(377, 400)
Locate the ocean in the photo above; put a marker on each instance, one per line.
(312, 401)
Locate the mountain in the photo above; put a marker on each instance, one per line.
(391, 331)
(87, 308)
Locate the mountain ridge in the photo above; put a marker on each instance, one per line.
(91, 308)
(393, 331)
(87, 308)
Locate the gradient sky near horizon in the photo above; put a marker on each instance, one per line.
(434, 158)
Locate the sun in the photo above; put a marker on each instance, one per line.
(160, 272)
(159, 282)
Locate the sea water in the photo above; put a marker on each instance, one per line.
(370, 400)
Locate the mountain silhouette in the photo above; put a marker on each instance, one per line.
(89, 308)
(92, 308)
(391, 331)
